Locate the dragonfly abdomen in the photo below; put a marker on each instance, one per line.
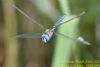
(58, 22)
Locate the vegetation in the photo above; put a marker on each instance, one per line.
(59, 51)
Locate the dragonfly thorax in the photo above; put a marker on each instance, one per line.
(46, 36)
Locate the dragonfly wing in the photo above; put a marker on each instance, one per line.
(29, 35)
(28, 17)
(62, 35)
(79, 39)
(71, 17)
(61, 20)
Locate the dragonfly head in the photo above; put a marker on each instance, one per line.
(45, 38)
(47, 35)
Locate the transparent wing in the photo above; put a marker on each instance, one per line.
(59, 22)
(28, 17)
(79, 39)
(82, 13)
(29, 35)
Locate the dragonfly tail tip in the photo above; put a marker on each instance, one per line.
(82, 13)
(87, 43)
(81, 39)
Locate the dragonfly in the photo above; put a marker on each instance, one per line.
(46, 35)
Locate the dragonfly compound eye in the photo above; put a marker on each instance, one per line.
(45, 38)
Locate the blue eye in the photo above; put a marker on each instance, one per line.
(45, 38)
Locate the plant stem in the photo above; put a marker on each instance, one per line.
(11, 46)
(64, 46)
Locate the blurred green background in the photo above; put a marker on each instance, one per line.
(59, 51)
